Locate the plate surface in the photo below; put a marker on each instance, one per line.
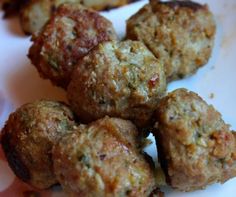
(215, 82)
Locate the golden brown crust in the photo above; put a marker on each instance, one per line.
(179, 33)
(99, 160)
(28, 137)
(69, 35)
(119, 79)
(196, 148)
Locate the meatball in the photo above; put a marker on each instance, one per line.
(180, 33)
(69, 35)
(119, 79)
(28, 137)
(103, 159)
(36, 13)
(196, 147)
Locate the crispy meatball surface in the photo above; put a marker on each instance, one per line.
(180, 33)
(69, 35)
(119, 79)
(196, 147)
(103, 159)
(36, 13)
(28, 137)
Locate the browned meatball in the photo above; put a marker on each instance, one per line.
(69, 35)
(119, 79)
(28, 137)
(180, 33)
(196, 147)
(103, 159)
(36, 13)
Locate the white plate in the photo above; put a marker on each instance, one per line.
(20, 83)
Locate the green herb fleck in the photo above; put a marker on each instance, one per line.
(84, 159)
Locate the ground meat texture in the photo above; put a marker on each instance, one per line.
(69, 35)
(180, 33)
(28, 137)
(196, 147)
(119, 79)
(102, 159)
(35, 13)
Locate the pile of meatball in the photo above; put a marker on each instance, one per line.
(117, 91)
(33, 14)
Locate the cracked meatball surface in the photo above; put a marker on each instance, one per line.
(103, 159)
(179, 33)
(119, 79)
(68, 36)
(196, 147)
(28, 136)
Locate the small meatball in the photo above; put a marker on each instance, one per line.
(69, 35)
(180, 33)
(28, 137)
(36, 13)
(102, 159)
(119, 79)
(196, 147)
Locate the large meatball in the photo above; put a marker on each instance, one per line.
(180, 33)
(196, 147)
(28, 137)
(119, 79)
(69, 35)
(103, 159)
(36, 13)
